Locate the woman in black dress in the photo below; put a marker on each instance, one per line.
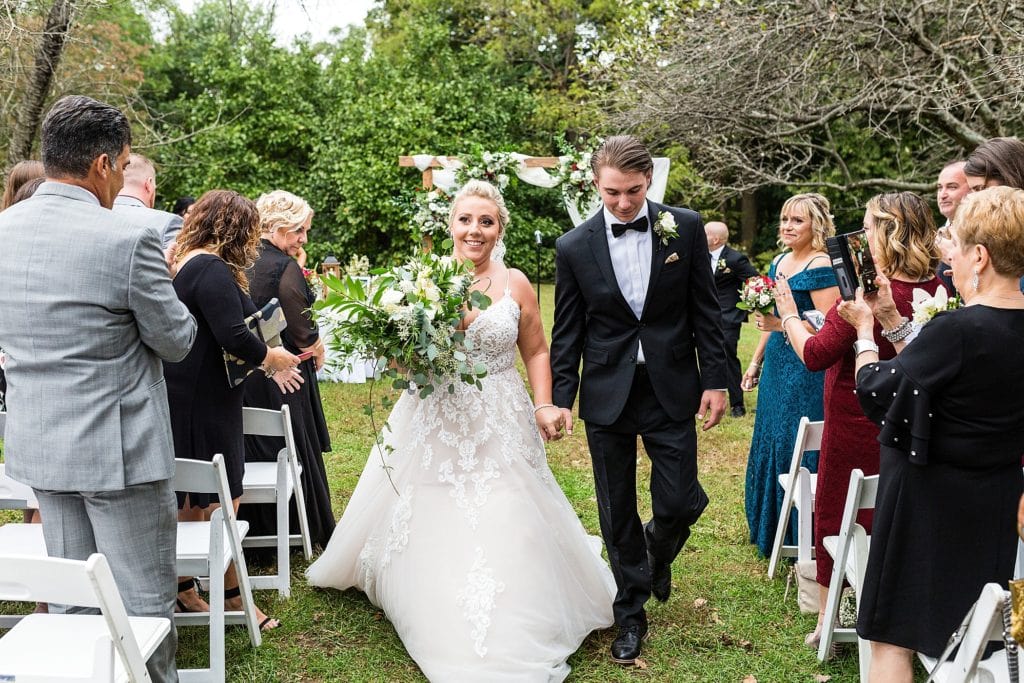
(214, 247)
(951, 414)
(284, 223)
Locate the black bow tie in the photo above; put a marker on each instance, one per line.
(619, 229)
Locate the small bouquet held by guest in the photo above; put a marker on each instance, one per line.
(409, 320)
(757, 295)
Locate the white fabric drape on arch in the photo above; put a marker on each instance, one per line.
(444, 178)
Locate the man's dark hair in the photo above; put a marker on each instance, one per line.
(623, 153)
(182, 204)
(78, 129)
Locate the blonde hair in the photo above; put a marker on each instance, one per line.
(994, 218)
(903, 235)
(483, 190)
(818, 211)
(281, 210)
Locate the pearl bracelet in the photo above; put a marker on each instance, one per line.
(787, 318)
(544, 405)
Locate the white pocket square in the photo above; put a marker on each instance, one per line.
(672, 258)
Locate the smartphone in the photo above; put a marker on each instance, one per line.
(852, 263)
(305, 355)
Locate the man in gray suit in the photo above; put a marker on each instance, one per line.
(137, 197)
(87, 424)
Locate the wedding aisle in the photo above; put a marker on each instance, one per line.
(725, 621)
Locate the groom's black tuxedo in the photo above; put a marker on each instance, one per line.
(680, 323)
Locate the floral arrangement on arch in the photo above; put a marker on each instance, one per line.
(575, 175)
(430, 210)
(496, 168)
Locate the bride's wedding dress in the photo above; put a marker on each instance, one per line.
(481, 564)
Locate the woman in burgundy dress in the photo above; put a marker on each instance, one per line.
(901, 234)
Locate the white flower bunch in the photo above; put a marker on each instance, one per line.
(666, 227)
(430, 211)
(577, 179)
(409, 320)
(926, 306)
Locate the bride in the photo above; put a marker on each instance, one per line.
(481, 564)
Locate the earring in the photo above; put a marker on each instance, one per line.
(498, 253)
(975, 281)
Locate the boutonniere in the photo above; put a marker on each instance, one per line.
(926, 307)
(721, 267)
(665, 227)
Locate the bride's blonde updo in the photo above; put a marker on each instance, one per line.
(483, 190)
(281, 210)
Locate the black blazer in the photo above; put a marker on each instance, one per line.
(732, 271)
(679, 323)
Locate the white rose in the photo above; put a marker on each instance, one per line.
(391, 297)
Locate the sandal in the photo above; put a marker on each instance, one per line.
(183, 587)
(266, 624)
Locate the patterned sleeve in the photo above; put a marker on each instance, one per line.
(819, 278)
(897, 394)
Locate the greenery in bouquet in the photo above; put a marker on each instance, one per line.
(757, 294)
(927, 307)
(576, 176)
(408, 321)
(430, 211)
(496, 168)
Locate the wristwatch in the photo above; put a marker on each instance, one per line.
(862, 345)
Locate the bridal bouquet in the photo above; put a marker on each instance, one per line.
(408, 320)
(757, 294)
(926, 306)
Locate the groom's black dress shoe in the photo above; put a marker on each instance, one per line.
(661, 578)
(738, 411)
(626, 647)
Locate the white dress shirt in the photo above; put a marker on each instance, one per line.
(715, 255)
(631, 261)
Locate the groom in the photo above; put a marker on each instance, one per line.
(635, 298)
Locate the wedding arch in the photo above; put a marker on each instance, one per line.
(449, 172)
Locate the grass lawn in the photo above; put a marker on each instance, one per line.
(724, 622)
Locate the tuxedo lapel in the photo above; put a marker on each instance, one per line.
(658, 253)
(599, 246)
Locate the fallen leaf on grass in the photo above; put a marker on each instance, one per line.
(822, 678)
(729, 641)
(639, 663)
(700, 603)
(750, 678)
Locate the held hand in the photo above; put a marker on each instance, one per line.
(882, 305)
(712, 408)
(857, 313)
(784, 298)
(170, 256)
(766, 322)
(751, 377)
(550, 423)
(567, 420)
(288, 381)
(278, 358)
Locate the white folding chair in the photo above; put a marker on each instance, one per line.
(110, 646)
(208, 549)
(983, 624)
(276, 482)
(800, 487)
(849, 551)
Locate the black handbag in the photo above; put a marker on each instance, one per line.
(267, 324)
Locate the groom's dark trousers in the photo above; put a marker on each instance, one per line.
(621, 399)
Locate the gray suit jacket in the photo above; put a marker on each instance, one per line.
(87, 312)
(166, 223)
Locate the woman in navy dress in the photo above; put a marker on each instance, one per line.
(951, 414)
(788, 391)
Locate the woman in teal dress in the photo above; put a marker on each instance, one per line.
(788, 390)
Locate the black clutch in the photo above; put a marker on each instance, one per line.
(267, 324)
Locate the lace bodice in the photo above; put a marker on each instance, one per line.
(494, 333)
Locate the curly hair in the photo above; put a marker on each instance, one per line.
(819, 212)
(227, 224)
(483, 190)
(281, 210)
(903, 235)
